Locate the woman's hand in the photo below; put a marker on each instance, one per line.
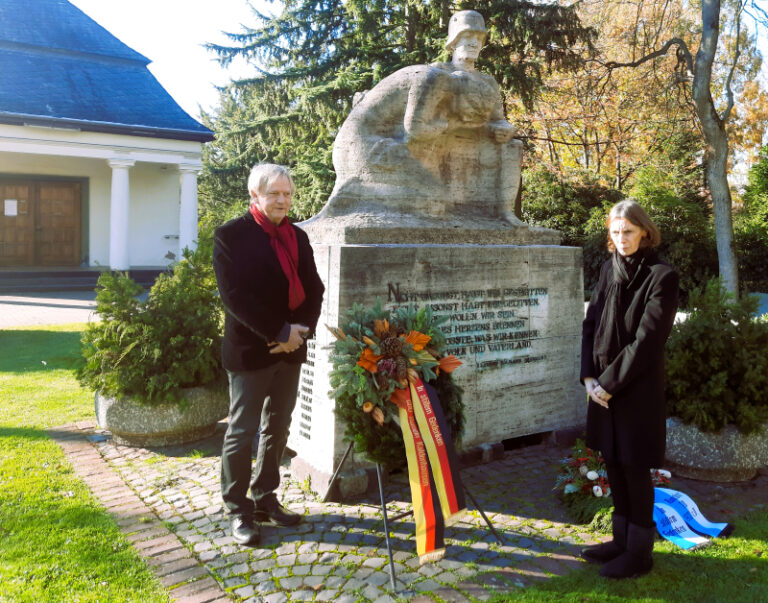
(599, 395)
(295, 340)
(596, 392)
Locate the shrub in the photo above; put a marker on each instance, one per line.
(751, 243)
(150, 350)
(751, 228)
(717, 363)
(554, 202)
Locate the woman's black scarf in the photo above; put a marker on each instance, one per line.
(608, 338)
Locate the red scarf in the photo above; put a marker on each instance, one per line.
(286, 246)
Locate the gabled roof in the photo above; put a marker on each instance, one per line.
(60, 68)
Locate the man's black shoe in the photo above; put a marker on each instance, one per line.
(271, 510)
(244, 531)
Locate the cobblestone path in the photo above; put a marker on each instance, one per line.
(338, 552)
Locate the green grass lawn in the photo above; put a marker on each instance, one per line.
(56, 542)
(729, 569)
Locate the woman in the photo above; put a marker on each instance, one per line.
(272, 294)
(627, 324)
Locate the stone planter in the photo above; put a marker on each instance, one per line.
(135, 424)
(726, 456)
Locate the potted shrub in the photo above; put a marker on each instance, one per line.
(717, 388)
(154, 364)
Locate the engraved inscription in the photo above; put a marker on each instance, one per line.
(490, 325)
(306, 382)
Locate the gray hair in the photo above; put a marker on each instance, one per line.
(264, 174)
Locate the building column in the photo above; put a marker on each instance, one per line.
(119, 213)
(188, 207)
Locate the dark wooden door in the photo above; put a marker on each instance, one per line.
(17, 224)
(46, 229)
(57, 224)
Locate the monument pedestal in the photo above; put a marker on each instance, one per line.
(514, 319)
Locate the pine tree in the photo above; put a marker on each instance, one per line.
(313, 57)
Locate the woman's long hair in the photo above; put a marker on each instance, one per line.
(630, 210)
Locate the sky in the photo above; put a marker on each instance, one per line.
(171, 33)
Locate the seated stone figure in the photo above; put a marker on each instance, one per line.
(429, 145)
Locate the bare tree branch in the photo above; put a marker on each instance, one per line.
(736, 53)
(682, 54)
(753, 5)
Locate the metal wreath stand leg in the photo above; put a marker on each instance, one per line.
(401, 515)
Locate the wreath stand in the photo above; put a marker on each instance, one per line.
(401, 515)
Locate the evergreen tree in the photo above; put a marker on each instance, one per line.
(313, 57)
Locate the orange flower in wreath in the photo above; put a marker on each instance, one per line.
(417, 340)
(449, 363)
(368, 360)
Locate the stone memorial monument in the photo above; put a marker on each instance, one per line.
(427, 174)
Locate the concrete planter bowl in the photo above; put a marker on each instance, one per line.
(726, 456)
(136, 424)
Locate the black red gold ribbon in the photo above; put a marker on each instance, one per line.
(436, 489)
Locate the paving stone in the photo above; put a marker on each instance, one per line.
(301, 570)
(334, 581)
(427, 585)
(244, 592)
(279, 572)
(378, 578)
(286, 560)
(291, 583)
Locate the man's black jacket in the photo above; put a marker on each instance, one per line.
(254, 291)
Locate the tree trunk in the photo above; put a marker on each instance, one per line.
(717, 178)
(716, 139)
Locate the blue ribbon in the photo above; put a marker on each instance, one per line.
(684, 505)
(672, 527)
(677, 516)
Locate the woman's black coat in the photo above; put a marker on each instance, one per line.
(254, 291)
(632, 430)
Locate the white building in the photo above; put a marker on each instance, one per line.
(98, 164)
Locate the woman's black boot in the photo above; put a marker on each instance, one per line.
(637, 560)
(602, 553)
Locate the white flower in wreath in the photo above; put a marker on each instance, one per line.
(592, 475)
(597, 491)
(583, 469)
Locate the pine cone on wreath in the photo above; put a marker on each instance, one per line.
(391, 347)
(402, 367)
(381, 380)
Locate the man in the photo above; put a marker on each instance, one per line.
(272, 294)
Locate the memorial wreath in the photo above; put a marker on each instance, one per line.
(378, 352)
(394, 392)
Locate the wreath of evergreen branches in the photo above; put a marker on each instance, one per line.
(363, 394)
